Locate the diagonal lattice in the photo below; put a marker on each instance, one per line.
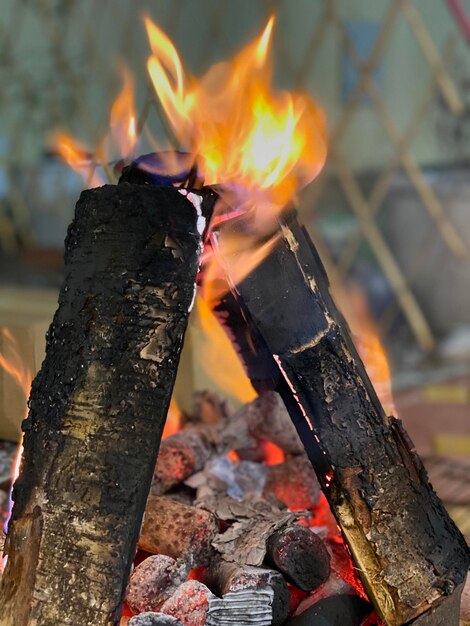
(58, 63)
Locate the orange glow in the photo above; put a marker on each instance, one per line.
(245, 134)
(77, 157)
(120, 142)
(173, 420)
(371, 351)
(273, 453)
(13, 365)
(219, 360)
(123, 119)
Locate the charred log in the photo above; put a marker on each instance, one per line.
(409, 553)
(98, 406)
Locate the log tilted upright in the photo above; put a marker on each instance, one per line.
(410, 555)
(98, 406)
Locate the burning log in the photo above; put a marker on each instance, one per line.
(98, 405)
(409, 553)
(224, 577)
(190, 603)
(300, 555)
(294, 483)
(153, 581)
(178, 530)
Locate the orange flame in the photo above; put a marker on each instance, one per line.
(371, 351)
(14, 366)
(122, 119)
(244, 133)
(122, 138)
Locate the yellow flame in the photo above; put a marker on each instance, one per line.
(244, 133)
(13, 365)
(123, 119)
(77, 156)
(369, 346)
(120, 142)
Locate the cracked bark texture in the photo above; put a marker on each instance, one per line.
(98, 406)
(407, 550)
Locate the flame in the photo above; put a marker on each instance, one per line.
(229, 376)
(123, 119)
(13, 365)
(121, 140)
(245, 134)
(173, 420)
(370, 348)
(78, 157)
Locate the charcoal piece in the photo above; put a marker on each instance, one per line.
(300, 555)
(153, 581)
(294, 483)
(224, 577)
(409, 553)
(344, 610)
(249, 607)
(180, 456)
(190, 603)
(154, 619)
(178, 530)
(98, 405)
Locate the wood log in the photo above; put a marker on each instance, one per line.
(98, 405)
(178, 530)
(409, 553)
(224, 577)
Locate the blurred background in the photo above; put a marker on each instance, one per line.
(390, 213)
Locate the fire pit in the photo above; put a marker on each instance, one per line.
(230, 541)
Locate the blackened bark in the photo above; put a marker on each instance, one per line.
(98, 406)
(409, 553)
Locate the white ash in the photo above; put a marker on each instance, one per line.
(254, 521)
(242, 608)
(241, 478)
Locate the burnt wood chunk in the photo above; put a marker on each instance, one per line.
(99, 404)
(409, 553)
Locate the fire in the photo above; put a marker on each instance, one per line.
(13, 365)
(246, 135)
(371, 350)
(121, 140)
